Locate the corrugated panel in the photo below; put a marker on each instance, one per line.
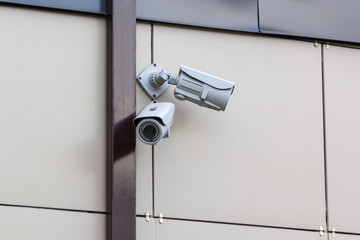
(226, 14)
(328, 19)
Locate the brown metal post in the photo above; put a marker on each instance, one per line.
(121, 110)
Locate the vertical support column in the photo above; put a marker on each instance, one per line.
(121, 110)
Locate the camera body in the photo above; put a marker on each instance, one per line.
(192, 85)
(154, 121)
(202, 89)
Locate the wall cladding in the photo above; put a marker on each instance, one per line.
(229, 14)
(327, 19)
(261, 162)
(43, 224)
(208, 171)
(229, 162)
(321, 19)
(341, 68)
(53, 125)
(180, 230)
(93, 6)
(52, 101)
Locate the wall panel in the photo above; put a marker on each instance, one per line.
(322, 19)
(93, 6)
(229, 14)
(179, 230)
(260, 161)
(345, 237)
(52, 103)
(342, 87)
(329, 19)
(28, 223)
(143, 152)
(145, 230)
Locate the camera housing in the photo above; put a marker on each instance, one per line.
(192, 85)
(203, 89)
(154, 121)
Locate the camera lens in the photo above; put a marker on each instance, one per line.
(149, 131)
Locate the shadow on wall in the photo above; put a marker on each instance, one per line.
(124, 137)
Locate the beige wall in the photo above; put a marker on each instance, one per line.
(52, 103)
(143, 152)
(40, 224)
(224, 165)
(261, 162)
(342, 100)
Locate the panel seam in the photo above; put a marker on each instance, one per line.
(258, 15)
(232, 223)
(152, 146)
(324, 139)
(52, 208)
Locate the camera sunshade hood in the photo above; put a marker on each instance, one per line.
(163, 112)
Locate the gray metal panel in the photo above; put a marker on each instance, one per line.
(261, 161)
(329, 19)
(342, 103)
(95, 6)
(228, 14)
(181, 230)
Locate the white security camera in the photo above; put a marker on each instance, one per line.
(154, 121)
(192, 85)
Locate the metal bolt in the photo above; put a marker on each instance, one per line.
(161, 218)
(147, 216)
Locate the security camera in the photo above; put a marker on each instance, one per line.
(154, 121)
(191, 85)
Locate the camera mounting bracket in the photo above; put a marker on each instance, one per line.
(144, 80)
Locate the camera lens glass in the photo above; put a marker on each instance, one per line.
(149, 131)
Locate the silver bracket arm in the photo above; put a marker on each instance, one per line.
(161, 77)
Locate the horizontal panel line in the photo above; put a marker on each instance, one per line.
(50, 208)
(348, 233)
(232, 223)
(250, 225)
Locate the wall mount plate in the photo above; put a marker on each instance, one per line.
(143, 80)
